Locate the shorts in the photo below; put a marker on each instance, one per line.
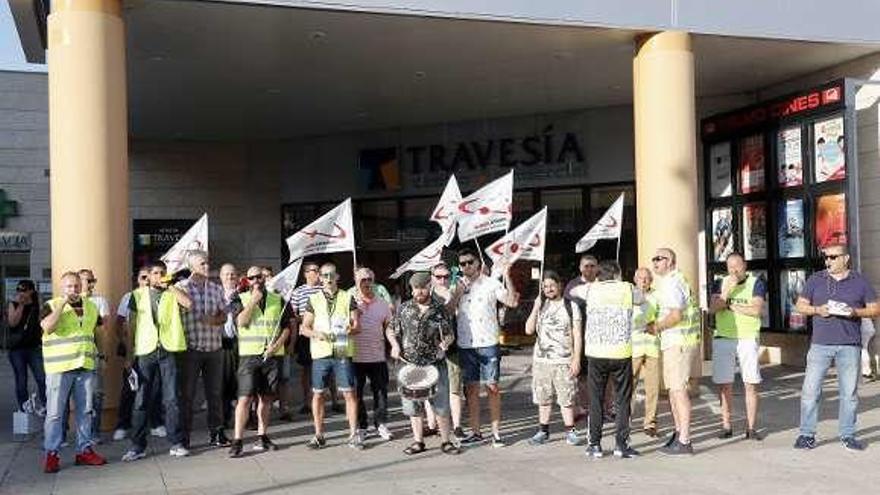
(341, 368)
(725, 354)
(550, 377)
(258, 377)
(480, 365)
(453, 364)
(440, 401)
(302, 351)
(678, 361)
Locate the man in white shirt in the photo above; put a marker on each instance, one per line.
(478, 331)
(88, 281)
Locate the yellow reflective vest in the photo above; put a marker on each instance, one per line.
(608, 323)
(645, 312)
(687, 331)
(258, 335)
(336, 320)
(72, 345)
(732, 325)
(149, 334)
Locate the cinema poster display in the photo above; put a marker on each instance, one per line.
(790, 234)
(829, 148)
(722, 233)
(754, 217)
(831, 220)
(751, 164)
(791, 284)
(719, 169)
(789, 159)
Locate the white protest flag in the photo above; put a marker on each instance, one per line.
(424, 259)
(285, 281)
(195, 239)
(526, 242)
(488, 209)
(332, 233)
(608, 227)
(446, 211)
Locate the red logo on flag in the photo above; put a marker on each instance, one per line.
(333, 235)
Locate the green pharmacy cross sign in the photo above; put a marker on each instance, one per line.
(8, 209)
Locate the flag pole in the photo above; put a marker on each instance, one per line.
(480, 252)
(618, 248)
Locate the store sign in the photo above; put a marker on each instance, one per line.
(14, 242)
(826, 97)
(153, 238)
(8, 209)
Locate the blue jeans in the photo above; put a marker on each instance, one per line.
(341, 368)
(440, 401)
(846, 359)
(59, 388)
(21, 360)
(157, 369)
(480, 365)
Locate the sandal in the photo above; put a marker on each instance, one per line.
(450, 448)
(415, 448)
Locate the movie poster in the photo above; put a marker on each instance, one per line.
(831, 220)
(722, 233)
(791, 284)
(829, 148)
(751, 164)
(719, 167)
(789, 157)
(754, 217)
(790, 236)
(765, 309)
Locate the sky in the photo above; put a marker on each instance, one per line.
(11, 54)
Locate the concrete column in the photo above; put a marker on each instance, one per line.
(665, 148)
(88, 152)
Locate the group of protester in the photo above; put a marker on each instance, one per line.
(597, 333)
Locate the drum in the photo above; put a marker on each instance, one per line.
(417, 383)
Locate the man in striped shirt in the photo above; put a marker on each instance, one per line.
(299, 300)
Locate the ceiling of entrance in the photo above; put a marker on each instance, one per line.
(203, 70)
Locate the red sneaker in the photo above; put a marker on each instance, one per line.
(89, 457)
(52, 463)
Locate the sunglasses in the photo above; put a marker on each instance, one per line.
(91, 280)
(328, 275)
(657, 259)
(467, 262)
(255, 277)
(833, 257)
(21, 289)
(441, 277)
(367, 279)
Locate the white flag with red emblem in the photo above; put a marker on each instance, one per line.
(526, 242)
(424, 260)
(195, 239)
(285, 281)
(608, 227)
(332, 233)
(445, 213)
(486, 210)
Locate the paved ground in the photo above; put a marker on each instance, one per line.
(729, 467)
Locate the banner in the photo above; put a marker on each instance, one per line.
(332, 233)
(526, 242)
(195, 239)
(285, 281)
(446, 211)
(424, 259)
(608, 227)
(486, 210)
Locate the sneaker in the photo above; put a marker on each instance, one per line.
(595, 451)
(753, 435)
(459, 433)
(498, 442)
(64, 444)
(133, 455)
(678, 449)
(263, 443)
(626, 452)
(356, 440)
(89, 457)
(219, 439)
(473, 438)
(805, 442)
(178, 451)
(672, 439)
(539, 438)
(385, 433)
(725, 434)
(236, 448)
(119, 434)
(159, 431)
(851, 444)
(572, 438)
(316, 443)
(52, 464)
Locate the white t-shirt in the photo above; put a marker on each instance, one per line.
(102, 304)
(477, 315)
(122, 310)
(672, 293)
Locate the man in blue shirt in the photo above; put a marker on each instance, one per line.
(837, 298)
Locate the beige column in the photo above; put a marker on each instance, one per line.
(665, 142)
(88, 153)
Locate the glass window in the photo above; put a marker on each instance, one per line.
(565, 211)
(377, 220)
(523, 207)
(416, 219)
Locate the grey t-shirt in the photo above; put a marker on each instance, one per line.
(554, 342)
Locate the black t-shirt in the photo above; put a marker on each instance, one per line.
(237, 307)
(26, 334)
